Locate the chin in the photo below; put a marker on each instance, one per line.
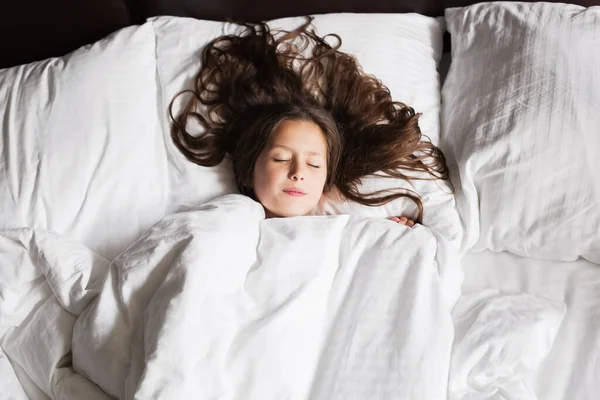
(289, 208)
(291, 212)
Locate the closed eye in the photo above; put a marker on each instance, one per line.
(314, 166)
(279, 160)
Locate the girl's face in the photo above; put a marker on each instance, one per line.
(290, 172)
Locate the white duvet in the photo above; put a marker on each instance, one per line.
(219, 303)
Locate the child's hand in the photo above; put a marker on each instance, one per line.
(403, 220)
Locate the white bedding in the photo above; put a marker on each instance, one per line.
(352, 312)
(572, 369)
(221, 303)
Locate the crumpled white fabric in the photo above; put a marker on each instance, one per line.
(46, 280)
(500, 341)
(221, 303)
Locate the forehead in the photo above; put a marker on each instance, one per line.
(304, 136)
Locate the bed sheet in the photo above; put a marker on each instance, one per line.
(572, 369)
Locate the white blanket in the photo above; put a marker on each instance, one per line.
(219, 303)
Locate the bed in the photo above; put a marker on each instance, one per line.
(508, 90)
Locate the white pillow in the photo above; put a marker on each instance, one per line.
(82, 152)
(500, 341)
(439, 212)
(402, 50)
(521, 121)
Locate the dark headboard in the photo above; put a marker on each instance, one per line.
(256, 10)
(32, 30)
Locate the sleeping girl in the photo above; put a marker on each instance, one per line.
(219, 302)
(298, 117)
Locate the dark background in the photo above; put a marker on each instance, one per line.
(32, 30)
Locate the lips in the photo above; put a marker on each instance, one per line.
(294, 192)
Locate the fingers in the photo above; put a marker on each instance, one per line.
(403, 220)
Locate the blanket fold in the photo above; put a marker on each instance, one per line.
(221, 303)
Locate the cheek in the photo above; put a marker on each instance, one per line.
(321, 177)
(265, 178)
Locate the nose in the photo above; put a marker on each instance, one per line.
(296, 172)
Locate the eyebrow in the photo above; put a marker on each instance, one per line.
(312, 153)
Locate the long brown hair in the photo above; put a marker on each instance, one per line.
(250, 82)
